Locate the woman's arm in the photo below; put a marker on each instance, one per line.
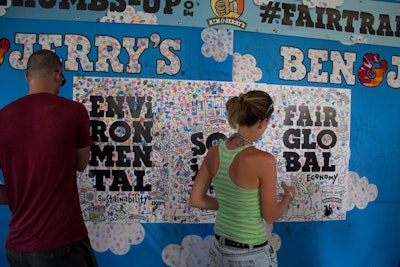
(202, 182)
(272, 209)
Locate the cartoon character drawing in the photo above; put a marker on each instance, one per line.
(332, 198)
(328, 210)
(302, 206)
(298, 203)
(227, 8)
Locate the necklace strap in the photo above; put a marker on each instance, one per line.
(240, 140)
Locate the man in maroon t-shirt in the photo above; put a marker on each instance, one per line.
(44, 141)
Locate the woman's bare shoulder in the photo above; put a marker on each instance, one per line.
(258, 156)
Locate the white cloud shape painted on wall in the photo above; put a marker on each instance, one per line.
(244, 69)
(118, 237)
(217, 43)
(321, 3)
(356, 39)
(274, 239)
(359, 192)
(192, 252)
(3, 8)
(129, 16)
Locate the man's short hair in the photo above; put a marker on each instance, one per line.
(43, 63)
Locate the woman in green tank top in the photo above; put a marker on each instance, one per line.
(245, 184)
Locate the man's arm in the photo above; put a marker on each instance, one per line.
(82, 158)
(3, 195)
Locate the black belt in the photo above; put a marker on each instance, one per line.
(235, 244)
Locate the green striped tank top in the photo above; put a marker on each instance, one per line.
(239, 216)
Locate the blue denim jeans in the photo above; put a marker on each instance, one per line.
(226, 256)
(79, 254)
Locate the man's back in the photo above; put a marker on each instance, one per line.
(39, 136)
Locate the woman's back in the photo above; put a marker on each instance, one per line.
(239, 215)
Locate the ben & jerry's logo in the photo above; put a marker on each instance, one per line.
(227, 12)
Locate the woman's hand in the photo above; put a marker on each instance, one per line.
(289, 190)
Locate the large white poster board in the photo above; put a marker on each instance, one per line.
(149, 137)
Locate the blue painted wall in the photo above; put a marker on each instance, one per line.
(368, 237)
